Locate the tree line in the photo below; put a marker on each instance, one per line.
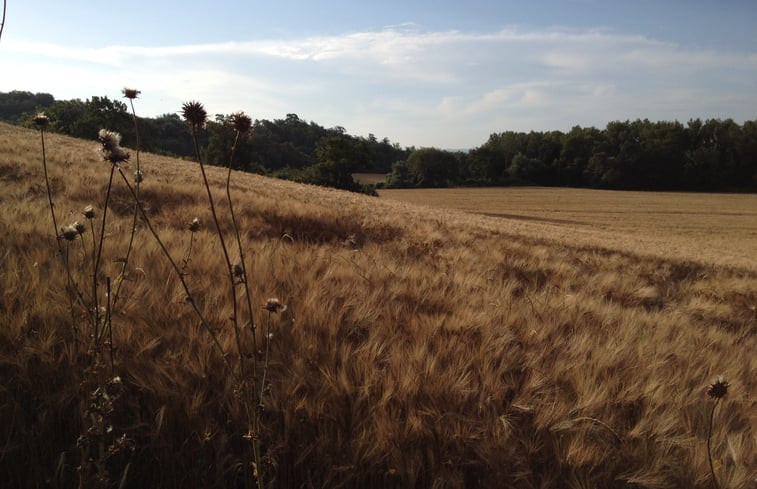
(709, 155)
(290, 148)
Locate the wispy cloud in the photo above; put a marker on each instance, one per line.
(446, 88)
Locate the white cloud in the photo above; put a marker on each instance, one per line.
(425, 88)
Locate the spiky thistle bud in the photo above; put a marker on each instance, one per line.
(194, 114)
(41, 120)
(237, 270)
(241, 122)
(718, 389)
(130, 93)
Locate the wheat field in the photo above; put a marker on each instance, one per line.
(421, 346)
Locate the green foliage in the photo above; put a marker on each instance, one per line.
(641, 155)
(431, 167)
(17, 104)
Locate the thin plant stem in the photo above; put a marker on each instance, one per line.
(232, 281)
(241, 250)
(109, 322)
(136, 211)
(2, 23)
(254, 416)
(49, 193)
(176, 269)
(69, 287)
(709, 451)
(185, 261)
(96, 315)
(267, 350)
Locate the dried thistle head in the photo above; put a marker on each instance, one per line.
(109, 139)
(89, 212)
(274, 305)
(138, 176)
(237, 270)
(41, 120)
(79, 227)
(111, 147)
(69, 233)
(718, 389)
(194, 114)
(130, 93)
(194, 226)
(241, 122)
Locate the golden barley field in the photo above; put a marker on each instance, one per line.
(552, 346)
(719, 229)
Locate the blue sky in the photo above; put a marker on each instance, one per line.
(422, 73)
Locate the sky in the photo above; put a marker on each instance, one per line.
(422, 73)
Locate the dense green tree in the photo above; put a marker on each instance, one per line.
(578, 147)
(338, 157)
(432, 167)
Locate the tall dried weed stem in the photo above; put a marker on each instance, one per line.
(102, 388)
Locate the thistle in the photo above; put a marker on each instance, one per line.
(274, 305)
(69, 233)
(40, 120)
(717, 390)
(241, 122)
(111, 147)
(194, 114)
(130, 93)
(194, 226)
(89, 212)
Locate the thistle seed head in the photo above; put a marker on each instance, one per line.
(109, 139)
(241, 122)
(89, 212)
(79, 227)
(718, 389)
(138, 176)
(40, 120)
(194, 114)
(130, 93)
(69, 233)
(111, 147)
(194, 226)
(274, 305)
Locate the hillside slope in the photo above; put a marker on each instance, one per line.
(420, 348)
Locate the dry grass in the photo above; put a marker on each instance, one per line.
(421, 347)
(719, 229)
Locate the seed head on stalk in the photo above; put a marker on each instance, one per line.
(130, 93)
(111, 147)
(41, 120)
(194, 114)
